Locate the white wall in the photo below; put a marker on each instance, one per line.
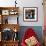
(26, 3)
(32, 3)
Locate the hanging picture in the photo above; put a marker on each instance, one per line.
(30, 14)
(5, 12)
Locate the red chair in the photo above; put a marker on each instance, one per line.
(29, 33)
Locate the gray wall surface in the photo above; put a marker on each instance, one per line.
(37, 29)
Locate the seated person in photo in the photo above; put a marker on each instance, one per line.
(30, 38)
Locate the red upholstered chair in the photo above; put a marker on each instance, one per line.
(29, 33)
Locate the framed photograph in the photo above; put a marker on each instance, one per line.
(5, 12)
(12, 12)
(30, 14)
(5, 19)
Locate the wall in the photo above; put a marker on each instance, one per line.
(32, 3)
(37, 29)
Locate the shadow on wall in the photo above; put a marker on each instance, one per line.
(37, 29)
